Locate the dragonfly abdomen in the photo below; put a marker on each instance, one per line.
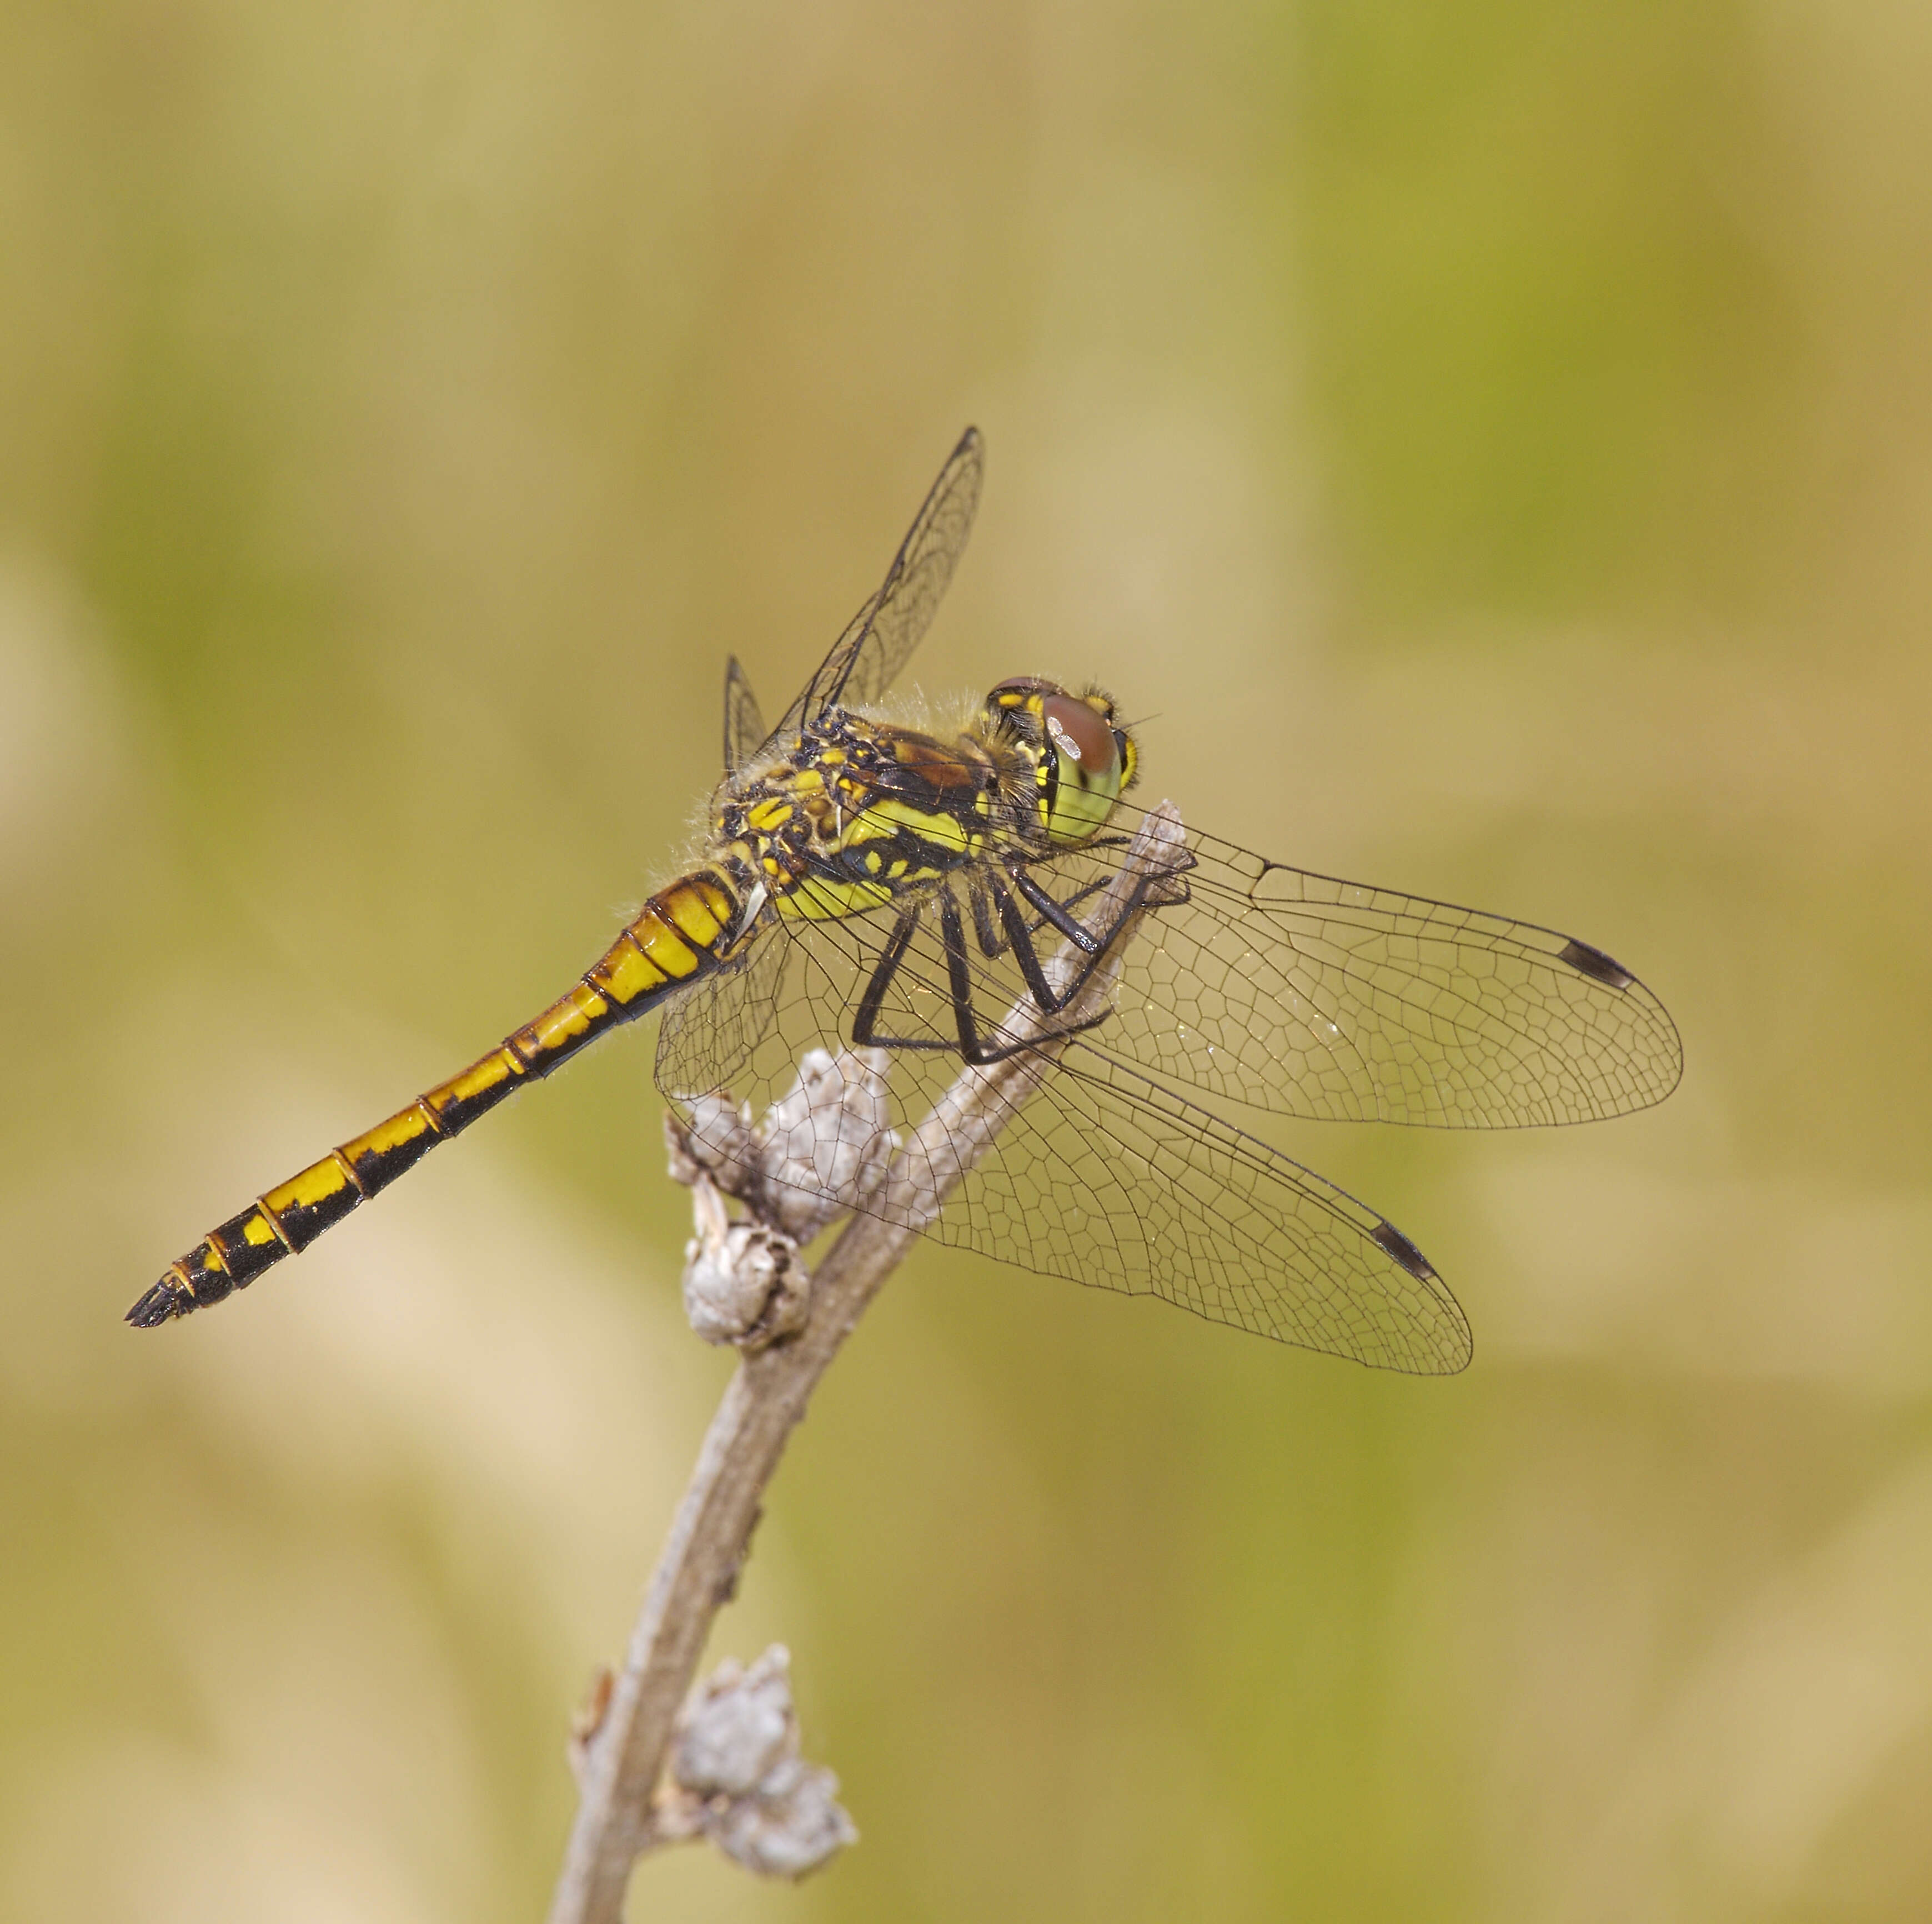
(683, 932)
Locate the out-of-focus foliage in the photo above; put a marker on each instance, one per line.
(1489, 443)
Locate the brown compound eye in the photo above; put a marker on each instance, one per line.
(1081, 735)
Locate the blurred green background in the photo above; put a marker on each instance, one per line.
(1490, 444)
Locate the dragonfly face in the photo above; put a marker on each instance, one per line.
(949, 899)
(1084, 761)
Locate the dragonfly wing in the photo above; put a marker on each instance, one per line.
(1106, 1179)
(744, 726)
(1102, 1176)
(880, 638)
(709, 1035)
(1309, 996)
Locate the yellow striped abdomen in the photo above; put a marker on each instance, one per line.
(682, 931)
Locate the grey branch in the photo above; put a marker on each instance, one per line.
(622, 1811)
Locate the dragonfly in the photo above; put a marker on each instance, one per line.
(936, 899)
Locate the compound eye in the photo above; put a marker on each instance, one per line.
(1080, 734)
(1086, 769)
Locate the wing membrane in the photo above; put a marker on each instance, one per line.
(880, 638)
(1107, 1179)
(711, 1033)
(744, 726)
(1101, 1176)
(1273, 986)
(1309, 996)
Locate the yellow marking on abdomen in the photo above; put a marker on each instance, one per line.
(698, 912)
(576, 1016)
(481, 1086)
(405, 1126)
(681, 933)
(313, 1187)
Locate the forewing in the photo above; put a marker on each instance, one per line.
(1306, 995)
(881, 637)
(744, 726)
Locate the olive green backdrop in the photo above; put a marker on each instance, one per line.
(1489, 446)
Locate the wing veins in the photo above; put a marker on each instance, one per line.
(874, 646)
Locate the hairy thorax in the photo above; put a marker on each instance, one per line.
(861, 812)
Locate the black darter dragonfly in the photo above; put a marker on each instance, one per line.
(874, 888)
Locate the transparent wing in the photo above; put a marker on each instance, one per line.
(1104, 1177)
(710, 1034)
(1309, 996)
(744, 726)
(1107, 1179)
(881, 637)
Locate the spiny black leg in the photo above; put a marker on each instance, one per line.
(990, 942)
(1095, 946)
(1100, 945)
(1020, 937)
(1013, 933)
(864, 1035)
(959, 981)
(885, 968)
(959, 978)
(1059, 909)
(1075, 931)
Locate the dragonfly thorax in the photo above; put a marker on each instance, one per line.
(861, 812)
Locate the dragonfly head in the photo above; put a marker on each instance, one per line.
(1082, 759)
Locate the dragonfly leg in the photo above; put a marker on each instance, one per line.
(992, 944)
(1045, 904)
(1019, 939)
(1095, 947)
(1053, 910)
(999, 924)
(973, 1047)
(1060, 914)
(865, 1017)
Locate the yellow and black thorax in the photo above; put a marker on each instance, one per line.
(860, 813)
